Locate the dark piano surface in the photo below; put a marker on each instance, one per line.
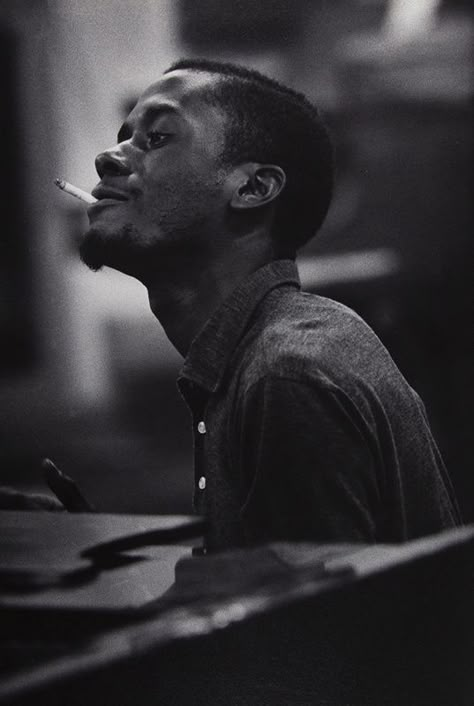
(334, 625)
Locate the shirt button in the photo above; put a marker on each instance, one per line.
(202, 483)
(201, 428)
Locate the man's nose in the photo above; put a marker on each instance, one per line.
(112, 162)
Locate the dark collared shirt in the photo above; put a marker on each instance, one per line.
(304, 428)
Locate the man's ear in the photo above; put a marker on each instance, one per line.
(258, 184)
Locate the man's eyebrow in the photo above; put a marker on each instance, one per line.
(150, 113)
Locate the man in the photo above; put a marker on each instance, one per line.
(304, 429)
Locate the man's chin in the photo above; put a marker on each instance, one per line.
(118, 250)
(92, 250)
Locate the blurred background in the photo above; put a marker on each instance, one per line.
(87, 376)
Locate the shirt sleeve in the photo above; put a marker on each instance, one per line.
(309, 473)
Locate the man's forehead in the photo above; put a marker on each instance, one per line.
(181, 87)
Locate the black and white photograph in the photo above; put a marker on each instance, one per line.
(236, 448)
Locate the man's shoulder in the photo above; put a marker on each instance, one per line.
(313, 331)
(308, 337)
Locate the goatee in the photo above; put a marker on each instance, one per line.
(119, 251)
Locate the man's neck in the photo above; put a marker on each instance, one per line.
(185, 295)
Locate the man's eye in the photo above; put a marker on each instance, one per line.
(156, 139)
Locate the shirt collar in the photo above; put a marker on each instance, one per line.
(212, 348)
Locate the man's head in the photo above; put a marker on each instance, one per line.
(269, 123)
(210, 148)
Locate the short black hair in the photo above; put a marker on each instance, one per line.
(270, 123)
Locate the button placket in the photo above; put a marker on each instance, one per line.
(201, 429)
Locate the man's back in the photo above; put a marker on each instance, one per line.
(312, 433)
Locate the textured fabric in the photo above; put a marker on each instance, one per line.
(304, 428)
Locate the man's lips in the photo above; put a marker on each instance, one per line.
(102, 192)
(106, 196)
(103, 203)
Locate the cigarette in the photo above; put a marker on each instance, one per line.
(74, 191)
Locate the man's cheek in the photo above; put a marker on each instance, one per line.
(165, 195)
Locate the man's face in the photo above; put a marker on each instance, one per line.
(161, 185)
